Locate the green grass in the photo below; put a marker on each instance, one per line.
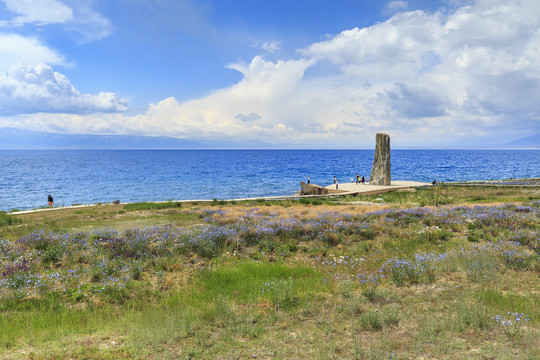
(501, 302)
(245, 282)
(329, 282)
(8, 220)
(152, 206)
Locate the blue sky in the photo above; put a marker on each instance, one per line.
(296, 73)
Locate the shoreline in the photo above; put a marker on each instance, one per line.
(348, 189)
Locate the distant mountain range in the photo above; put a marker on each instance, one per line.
(11, 138)
(18, 139)
(529, 142)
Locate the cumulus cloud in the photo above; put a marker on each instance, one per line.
(415, 102)
(425, 78)
(29, 89)
(450, 74)
(79, 18)
(40, 12)
(474, 63)
(17, 48)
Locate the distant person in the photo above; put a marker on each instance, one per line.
(50, 200)
(434, 182)
(308, 181)
(335, 180)
(357, 179)
(363, 180)
(337, 183)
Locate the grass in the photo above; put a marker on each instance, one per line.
(6, 220)
(289, 279)
(447, 194)
(152, 206)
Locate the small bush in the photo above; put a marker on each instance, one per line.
(391, 314)
(331, 238)
(52, 254)
(366, 233)
(466, 315)
(475, 235)
(371, 319)
(268, 245)
(7, 220)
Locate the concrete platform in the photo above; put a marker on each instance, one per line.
(367, 189)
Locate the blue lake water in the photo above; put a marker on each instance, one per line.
(88, 176)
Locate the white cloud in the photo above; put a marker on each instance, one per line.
(27, 82)
(476, 63)
(425, 78)
(268, 46)
(396, 6)
(40, 12)
(16, 48)
(30, 89)
(415, 102)
(79, 18)
(88, 24)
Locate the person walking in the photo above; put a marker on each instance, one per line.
(50, 200)
(308, 181)
(337, 183)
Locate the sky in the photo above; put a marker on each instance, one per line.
(282, 73)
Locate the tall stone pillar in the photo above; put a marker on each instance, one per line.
(380, 172)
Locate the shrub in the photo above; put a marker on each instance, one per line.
(366, 233)
(371, 319)
(52, 254)
(331, 238)
(475, 235)
(391, 314)
(7, 220)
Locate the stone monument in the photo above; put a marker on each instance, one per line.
(380, 172)
(312, 189)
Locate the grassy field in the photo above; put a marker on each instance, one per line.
(444, 272)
